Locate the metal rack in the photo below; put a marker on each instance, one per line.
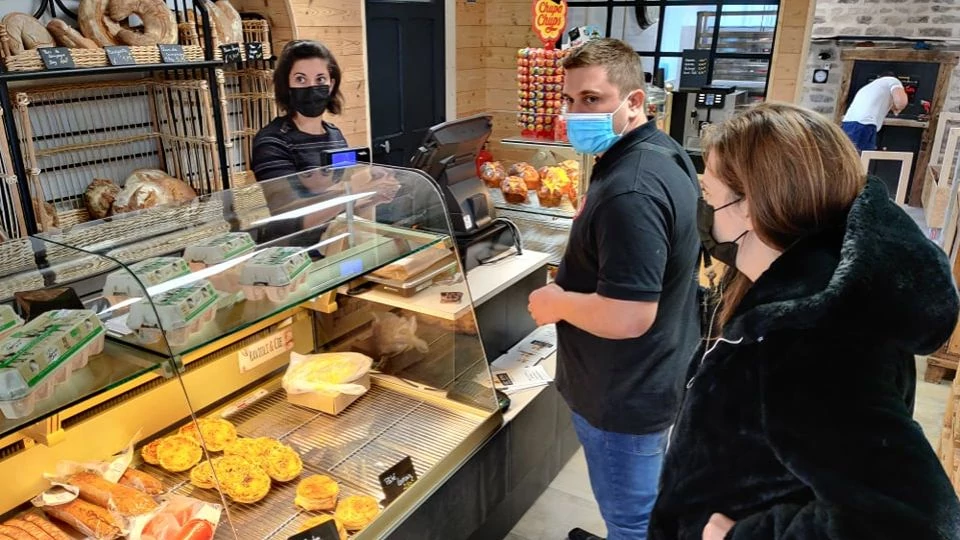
(204, 70)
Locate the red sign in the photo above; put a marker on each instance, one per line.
(549, 20)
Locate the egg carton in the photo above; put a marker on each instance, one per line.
(275, 273)
(149, 272)
(182, 312)
(43, 354)
(217, 250)
(9, 320)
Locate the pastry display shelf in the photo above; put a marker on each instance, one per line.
(11, 76)
(534, 143)
(565, 210)
(374, 245)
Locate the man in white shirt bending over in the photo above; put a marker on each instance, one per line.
(870, 106)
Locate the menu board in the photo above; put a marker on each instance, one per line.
(694, 69)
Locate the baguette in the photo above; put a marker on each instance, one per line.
(142, 481)
(29, 528)
(87, 518)
(52, 530)
(100, 491)
(14, 533)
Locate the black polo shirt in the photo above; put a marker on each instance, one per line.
(280, 149)
(634, 239)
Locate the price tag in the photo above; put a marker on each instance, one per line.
(172, 54)
(398, 479)
(231, 53)
(119, 55)
(324, 531)
(272, 346)
(254, 50)
(56, 58)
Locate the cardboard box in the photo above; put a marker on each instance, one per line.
(328, 403)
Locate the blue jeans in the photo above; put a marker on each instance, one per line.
(624, 474)
(864, 136)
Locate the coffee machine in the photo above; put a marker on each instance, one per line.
(708, 105)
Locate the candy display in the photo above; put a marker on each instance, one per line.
(42, 354)
(540, 91)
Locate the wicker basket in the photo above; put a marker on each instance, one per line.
(254, 31)
(250, 105)
(12, 220)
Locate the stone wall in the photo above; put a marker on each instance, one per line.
(935, 19)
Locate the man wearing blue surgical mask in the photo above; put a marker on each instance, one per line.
(624, 300)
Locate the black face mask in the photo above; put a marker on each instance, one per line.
(310, 101)
(725, 252)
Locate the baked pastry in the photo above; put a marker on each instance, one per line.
(514, 190)
(52, 530)
(26, 33)
(104, 21)
(357, 512)
(572, 168)
(529, 174)
(98, 490)
(99, 197)
(246, 487)
(492, 173)
(32, 530)
(282, 463)
(216, 433)
(142, 481)
(202, 475)
(320, 520)
(149, 452)
(178, 453)
(89, 519)
(147, 188)
(226, 21)
(554, 185)
(317, 492)
(67, 36)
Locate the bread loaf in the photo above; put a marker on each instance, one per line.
(15, 533)
(226, 21)
(46, 215)
(103, 22)
(87, 518)
(100, 491)
(147, 188)
(142, 481)
(99, 197)
(31, 529)
(26, 33)
(67, 36)
(52, 530)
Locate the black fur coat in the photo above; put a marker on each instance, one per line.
(798, 424)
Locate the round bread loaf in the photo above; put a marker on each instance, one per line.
(229, 23)
(99, 197)
(147, 188)
(102, 21)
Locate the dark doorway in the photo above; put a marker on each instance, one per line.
(405, 60)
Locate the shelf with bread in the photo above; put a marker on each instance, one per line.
(238, 309)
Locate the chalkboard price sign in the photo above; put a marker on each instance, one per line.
(254, 50)
(56, 58)
(324, 531)
(119, 55)
(231, 53)
(172, 54)
(397, 479)
(694, 69)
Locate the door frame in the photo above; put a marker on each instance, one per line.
(450, 61)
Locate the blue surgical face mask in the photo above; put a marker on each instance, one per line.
(592, 133)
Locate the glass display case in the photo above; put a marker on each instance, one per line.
(236, 345)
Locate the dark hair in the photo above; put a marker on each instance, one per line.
(299, 50)
(621, 62)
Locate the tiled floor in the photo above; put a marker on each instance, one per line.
(568, 502)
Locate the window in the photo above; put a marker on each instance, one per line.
(740, 45)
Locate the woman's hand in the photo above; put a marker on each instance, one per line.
(718, 527)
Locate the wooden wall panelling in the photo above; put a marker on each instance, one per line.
(792, 42)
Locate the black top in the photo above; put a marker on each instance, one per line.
(635, 239)
(799, 422)
(280, 149)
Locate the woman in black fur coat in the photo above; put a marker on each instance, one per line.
(798, 421)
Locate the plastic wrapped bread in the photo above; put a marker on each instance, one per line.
(182, 311)
(150, 272)
(42, 354)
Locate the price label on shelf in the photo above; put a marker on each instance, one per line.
(398, 479)
(56, 58)
(119, 55)
(254, 50)
(274, 345)
(324, 531)
(231, 53)
(172, 54)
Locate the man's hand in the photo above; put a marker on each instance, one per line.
(718, 527)
(544, 304)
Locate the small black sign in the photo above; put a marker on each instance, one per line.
(231, 53)
(694, 67)
(119, 55)
(398, 479)
(254, 50)
(324, 531)
(56, 58)
(172, 54)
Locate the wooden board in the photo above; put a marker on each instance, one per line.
(905, 159)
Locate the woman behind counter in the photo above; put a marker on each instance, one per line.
(306, 84)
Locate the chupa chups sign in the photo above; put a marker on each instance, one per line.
(549, 20)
